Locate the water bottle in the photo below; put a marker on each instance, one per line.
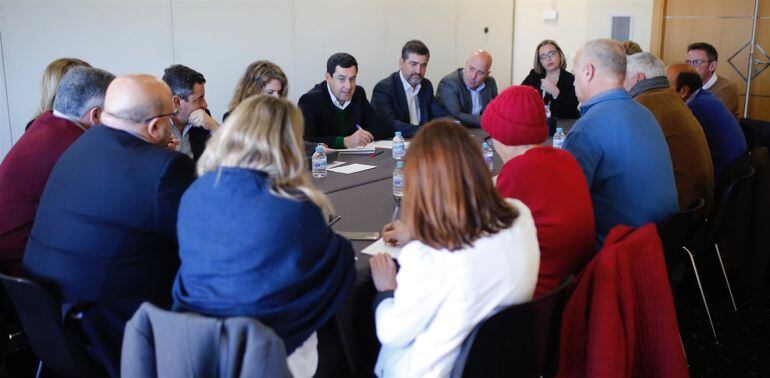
(558, 138)
(398, 146)
(319, 162)
(489, 156)
(398, 180)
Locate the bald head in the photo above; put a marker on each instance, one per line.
(684, 79)
(600, 65)
(477, 68)
(137, 97)
(135, 102)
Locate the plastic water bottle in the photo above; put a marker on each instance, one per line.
(398, 146)
(398, 180)
(558, 138)
(489, 156)
(319, 162)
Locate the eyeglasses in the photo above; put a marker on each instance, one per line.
(551, 54)
(697, 62)
(174, 113)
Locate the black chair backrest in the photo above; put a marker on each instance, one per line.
(40, 316)
(515, 342)
(714, 224)
(675, 228)
(757, 132)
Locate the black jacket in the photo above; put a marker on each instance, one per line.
(564, 106)
(389, 99)
(321, 122)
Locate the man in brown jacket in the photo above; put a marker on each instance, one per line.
(647, 83)
(703, 57)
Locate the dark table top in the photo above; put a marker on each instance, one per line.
(365, 199)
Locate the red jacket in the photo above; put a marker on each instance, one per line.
(23, 175)
(620, 320)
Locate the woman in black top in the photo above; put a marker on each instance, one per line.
(550, 76)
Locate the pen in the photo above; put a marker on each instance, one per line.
(376, 153)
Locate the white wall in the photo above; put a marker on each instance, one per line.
(578, 21)
(220, 38)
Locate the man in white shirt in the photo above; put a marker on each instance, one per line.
(191, 125)
(405, 98)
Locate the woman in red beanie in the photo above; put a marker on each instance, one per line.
(549, 181)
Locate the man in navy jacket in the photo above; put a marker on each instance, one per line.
(405, 98)
(337, 112)
(104, 239)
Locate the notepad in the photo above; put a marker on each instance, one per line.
(380, 247)
(368, 149)
(385, 144)
(351, 168)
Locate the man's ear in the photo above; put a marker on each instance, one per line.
(177, 102)
(156, 132)
(94, 115)
(589, 72)
(684, 92)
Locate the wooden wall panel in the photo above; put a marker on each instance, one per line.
(713, 8)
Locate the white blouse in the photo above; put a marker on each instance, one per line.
(442, 295)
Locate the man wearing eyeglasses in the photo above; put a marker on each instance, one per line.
(465, 92)
(704, 58)
(192, 124)
(105, 233)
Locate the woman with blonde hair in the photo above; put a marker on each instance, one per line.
(253, 237)
(467, 253)
(51, 78)
(549, 75)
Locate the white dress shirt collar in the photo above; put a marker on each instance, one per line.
(334, 99)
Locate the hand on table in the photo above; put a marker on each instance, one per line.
(549, 87)
(358, 139)
(395, 234)
(383, 272)
(199, 118)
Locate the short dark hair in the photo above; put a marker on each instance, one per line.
(181, 79)
(341, 59)
(414, 47)
(690, 80)
(711, 52)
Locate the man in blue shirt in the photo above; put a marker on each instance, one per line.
(723, 132)
(619, 145)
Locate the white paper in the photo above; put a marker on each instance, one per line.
(368, 149)
(380, 247)
(335, 163)
(385, 144)
(351, 168)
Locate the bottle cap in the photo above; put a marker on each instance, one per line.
(398, 133)
(485, 145)
(319, 148)
(559, 130)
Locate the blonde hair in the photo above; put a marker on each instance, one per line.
(538, 66)
(257, 75)
(52, 75)
(264, 133)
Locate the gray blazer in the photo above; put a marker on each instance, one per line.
(455, 98)
(159, 343)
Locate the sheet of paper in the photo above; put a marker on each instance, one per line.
(379, 246)
(335, 163)
(368, 149)
(351, 168)
(385, 144)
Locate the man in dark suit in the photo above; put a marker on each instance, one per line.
(405, 98)
(192, 125)
(336, 110)
(465, 92)
(104, 239)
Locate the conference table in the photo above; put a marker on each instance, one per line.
(365, 199)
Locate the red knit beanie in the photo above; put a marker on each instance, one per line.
(516, 117)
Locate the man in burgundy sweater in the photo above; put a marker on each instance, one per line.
(549, 181)
(25, 170)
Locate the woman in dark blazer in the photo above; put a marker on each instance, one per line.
(550, 77)
(253, 236)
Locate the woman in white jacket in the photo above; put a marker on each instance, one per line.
(467, 253)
